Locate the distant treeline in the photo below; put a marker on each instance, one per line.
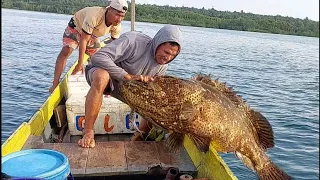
(209, 18)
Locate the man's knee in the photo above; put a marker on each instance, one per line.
(100, 79)
(66, 51)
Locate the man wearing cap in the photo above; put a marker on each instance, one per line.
(84, 30)
(134, 56)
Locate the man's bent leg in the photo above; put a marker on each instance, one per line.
(70, 42)
(60, 65)
(93, 103)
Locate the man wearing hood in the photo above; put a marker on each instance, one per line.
(133, 56)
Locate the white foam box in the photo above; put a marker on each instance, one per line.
(79, 77)
(77, 88)
(113, 117)
(77, 85)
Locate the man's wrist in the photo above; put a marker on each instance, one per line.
(128, 77)
(80, 62)
(55, 82)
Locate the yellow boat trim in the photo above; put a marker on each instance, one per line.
(209, 165)
(16, 140)
(39, 120)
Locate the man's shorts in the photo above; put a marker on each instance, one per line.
(71, 38)
(112, 88)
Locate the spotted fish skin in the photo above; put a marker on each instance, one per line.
(210, 114)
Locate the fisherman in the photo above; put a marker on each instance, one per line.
(133, 56)
(84, 30)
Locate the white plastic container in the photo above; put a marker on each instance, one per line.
(77, 88)
(79, 77)
(113, 117)
(77, 85)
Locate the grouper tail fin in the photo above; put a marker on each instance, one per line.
(272, 172)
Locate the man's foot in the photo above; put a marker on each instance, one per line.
(87, 140)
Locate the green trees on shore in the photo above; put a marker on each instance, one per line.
(209, 18)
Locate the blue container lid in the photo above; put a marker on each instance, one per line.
(40, 163)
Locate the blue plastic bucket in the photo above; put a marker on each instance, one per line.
(36, 163)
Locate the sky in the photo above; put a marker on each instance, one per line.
(292, 8)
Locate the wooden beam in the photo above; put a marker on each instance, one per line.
(133, 14)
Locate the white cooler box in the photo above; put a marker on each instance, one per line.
(79, 77)
(113, 117)
(77, 85)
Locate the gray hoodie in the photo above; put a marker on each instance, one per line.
(134, 53)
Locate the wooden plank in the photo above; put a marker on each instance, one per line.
(133, 14)
(77, 157)
(33, 141)
(141, 155)
(136, 157)
(60, 115)
(107, 158)
(43, 146)
(180, 159)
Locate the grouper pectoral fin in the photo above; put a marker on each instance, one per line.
(174, 142)
(186, 113)
(201, 142)
(245, 160)
(263, 129)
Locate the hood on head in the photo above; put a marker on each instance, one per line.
(165, 34)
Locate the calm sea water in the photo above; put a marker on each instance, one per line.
(278, 75)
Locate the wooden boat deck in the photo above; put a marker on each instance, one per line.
(116, 157)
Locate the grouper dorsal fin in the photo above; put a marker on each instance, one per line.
(260, 123)
(227, 91)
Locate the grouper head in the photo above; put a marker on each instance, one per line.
(160, 100)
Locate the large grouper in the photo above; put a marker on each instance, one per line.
(208, 112)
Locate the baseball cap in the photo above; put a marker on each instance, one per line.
(120, 5)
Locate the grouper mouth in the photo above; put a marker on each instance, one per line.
(158, 99)
(155, 101)
(157, 95)
(147, 99)
(139, 94)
